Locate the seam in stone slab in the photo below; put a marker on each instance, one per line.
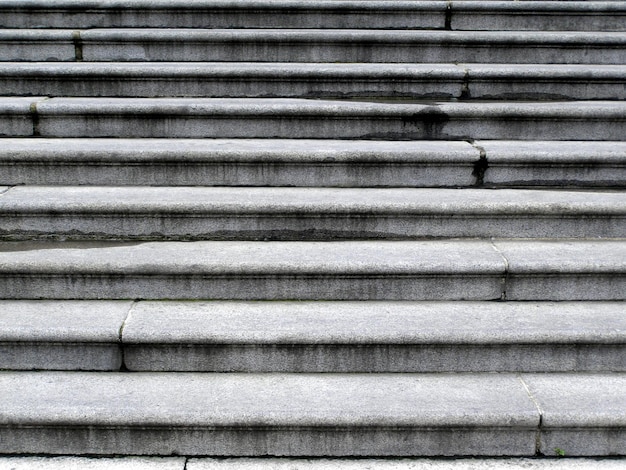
(540, 411)
(78, 46)
(505, 274)
(121, 334)
(480, 166)
(34, 114)
(448, 17)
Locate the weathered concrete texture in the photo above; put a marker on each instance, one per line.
(297, 118)
(575, 270)
(375, 336)
(463, 15)
(223, 162)
(84, 212)
(15, 116)
(275, 45)
(84, 463)
(537, 15)
(31, 45)
(405, 464)
(266, 414)
(361, 270)
(550, 82)
(413, 81)
(225, 14)
(219, 79)
(554, 163)
(594, 405)
(72, 335)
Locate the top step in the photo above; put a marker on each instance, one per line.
(351, 14)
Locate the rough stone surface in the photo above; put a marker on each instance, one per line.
(320, 45)
(267, 414)
(554, 163)
(574, 270)
(357, 270)
(375, 336)
(225, 14)
(83, 463)
(223, 79)
(84, 212)
(297, 118)
(540, 16)
(581, 414)
(405, 464)
(219, 162)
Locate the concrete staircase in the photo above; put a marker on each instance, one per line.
(336, 228)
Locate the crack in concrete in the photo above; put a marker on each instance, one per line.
(78, 46)
(505, 279)
(480, 166)
(539, 410)
(121, 333)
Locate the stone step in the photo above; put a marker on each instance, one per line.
(312, 414)
(438, 14)
(300, 118)
(188, 213)
(314, 45)
(294, 80)
(376, 336)
(262, 463)
(291, 162)
(344, 270)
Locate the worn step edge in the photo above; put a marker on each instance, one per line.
(245, 45)
(312, 336)
(492, 81)
(299, 118)
(312, 414)
(462, 15)
(291, 162)
(187, 213)
(346, 270)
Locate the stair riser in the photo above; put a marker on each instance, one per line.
(356, 174)
(266, 441)
(304, 226)
(376, 358)
(109, 286)
(233, 87)
(357, 15)
(435, 125)
(355, 287)
(151, 50)
(60, 356)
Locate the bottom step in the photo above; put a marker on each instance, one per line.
(180, 463)
(312, 414)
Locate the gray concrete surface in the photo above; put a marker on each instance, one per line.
(554, 163)
(226, 14)
(49, 335)
(259, 79)
(469, 270)
(375, 336)
(266, 414)
(217, 162)
(88, 212)
(468, 15)
(297, 118)
(595, 404)
(85, 463)
(406, 464)
(575, 270)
